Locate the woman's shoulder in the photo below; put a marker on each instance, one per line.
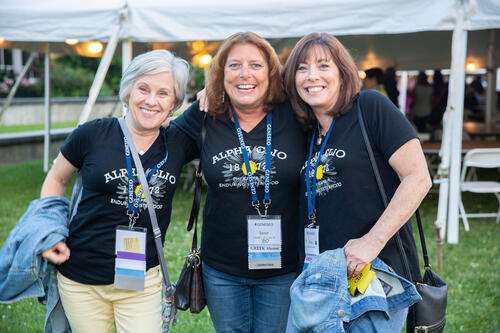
(99, 123)
(96, 127)
(371, 95)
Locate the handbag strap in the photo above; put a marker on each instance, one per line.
(170, 287)
(75, 194)
(195, 208)
(381, 189)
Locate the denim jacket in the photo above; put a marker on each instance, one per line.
(23, 273)
(320, 300)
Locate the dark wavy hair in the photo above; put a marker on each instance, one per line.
(348, 72)
(215, 75)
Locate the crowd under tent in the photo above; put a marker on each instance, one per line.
(408, 34)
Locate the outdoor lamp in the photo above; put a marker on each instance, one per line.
(470, 67)
(94, 47)
(71, 41)
(205, 59)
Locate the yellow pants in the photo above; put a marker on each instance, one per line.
(97, 308)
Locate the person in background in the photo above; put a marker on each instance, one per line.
(421, 106)
(152, 87)
(391, 85)
(374, 79)
(340, 202)
(251, 157)
(439, 100)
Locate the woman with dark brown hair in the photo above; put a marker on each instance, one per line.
(341, 205)
(250, 157)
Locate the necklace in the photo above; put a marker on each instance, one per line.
(319, 139)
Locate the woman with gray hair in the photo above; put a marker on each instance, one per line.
(91, 281)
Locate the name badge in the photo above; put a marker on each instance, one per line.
(264, 242)
(130, 261)
(311, 244)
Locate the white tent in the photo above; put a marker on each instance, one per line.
(365, 26)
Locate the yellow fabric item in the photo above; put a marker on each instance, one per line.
(101, 308)
(359, 283)
(381, 89)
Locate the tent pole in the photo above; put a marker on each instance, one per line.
(442, 179)
(14, 88)
(46, 141)
(100, 74)
(127, 52)
(492, 81)
(457, 87)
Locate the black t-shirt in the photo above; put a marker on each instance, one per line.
(348, 201)
(97, 149)
(228, 203)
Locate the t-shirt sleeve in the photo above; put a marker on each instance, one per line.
(76, 144)
(388, 128)
(190, 121)
(183, 142)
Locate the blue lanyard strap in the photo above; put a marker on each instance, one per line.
(267, 174)
(311, 193)
(133, 204)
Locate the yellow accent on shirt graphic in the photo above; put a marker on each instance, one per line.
(253, 167)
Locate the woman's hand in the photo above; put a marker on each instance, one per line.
(167, 121)
(202, 97)
(57, 254)
(361, 251)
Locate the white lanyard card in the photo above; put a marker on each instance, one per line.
(130, 262)
(264, 242)
(311, 244)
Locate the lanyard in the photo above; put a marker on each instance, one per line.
(311, 193)
(267, 178)
(133, 204)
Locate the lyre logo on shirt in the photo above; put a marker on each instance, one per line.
(157, 186)
(234, 170)
(327, 177)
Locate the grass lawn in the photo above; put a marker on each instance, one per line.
(471, 268)
(35, 127)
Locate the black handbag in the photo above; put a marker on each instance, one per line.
(190, 293)
(429, 314)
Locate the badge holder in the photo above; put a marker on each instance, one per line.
(264, 241)
(130, 262)
(311, 243)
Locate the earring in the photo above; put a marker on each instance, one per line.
(223, 93)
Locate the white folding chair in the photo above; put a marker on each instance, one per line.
(480, 158)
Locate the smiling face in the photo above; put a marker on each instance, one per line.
(151, 99)
(246, 78)
(317, 80)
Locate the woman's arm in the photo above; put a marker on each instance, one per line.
(55, 184)
(57, 178)
(410, 165)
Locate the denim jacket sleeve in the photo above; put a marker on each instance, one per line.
(43, 224)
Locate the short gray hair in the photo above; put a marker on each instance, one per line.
(154, 62)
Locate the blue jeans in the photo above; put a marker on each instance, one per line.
(239, 304)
